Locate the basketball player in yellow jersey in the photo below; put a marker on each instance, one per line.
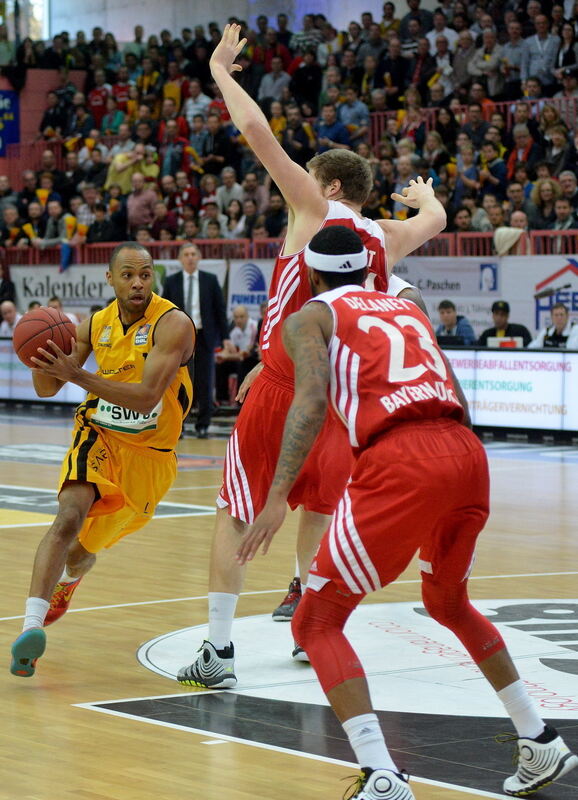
(122, 460)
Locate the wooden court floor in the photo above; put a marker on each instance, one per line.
(156, 582)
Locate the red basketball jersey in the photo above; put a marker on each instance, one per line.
(290, 289)
(386, 366)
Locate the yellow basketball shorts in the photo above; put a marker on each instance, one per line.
(130, 482)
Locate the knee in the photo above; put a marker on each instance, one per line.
(445, 604)
(315, 617)
(68, 522)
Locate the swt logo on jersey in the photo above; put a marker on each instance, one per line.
(142, 335)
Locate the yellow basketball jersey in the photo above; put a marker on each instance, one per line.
(120, 355)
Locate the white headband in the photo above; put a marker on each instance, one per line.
(336, 262)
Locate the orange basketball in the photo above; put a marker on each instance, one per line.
(36, 328)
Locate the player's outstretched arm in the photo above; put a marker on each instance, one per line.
(47, 385)
(296, 185)
(174, 344)
(305, 336)
(406, 236)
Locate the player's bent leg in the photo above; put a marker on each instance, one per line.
(543, 756)
(318, 626)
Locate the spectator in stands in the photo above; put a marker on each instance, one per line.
(235, 220)
(7, 288)
(90, 197)
(516, 201)
(331, 134)
(163, 218)
(569, 85)
(475, 127)
(53, 120)
(560, 153)
(35, 225)
(512, 61)
(567, 56)
(140, 203)
(56, 302)
(543, 198)
(308, 38)
(93, 142)
(354, 114)
(373, 45)
(11, 229)
(217, 151)
(461, 77)
(440, 28)
(113, 118)
(238, 357)
(493, 176)
(7, 195)
(569, 186)
(462, 222)
(306, 80)
(525, 149)
(487, 63)
(298, 139)
(102, 229)
(8, 313)
(452, 324)
(211, 213)
(560, 334)
(172, 148)
(539, 55)
(274, 81)
(253, 190)
(97, 169)
(229, 189)
(423, 17)
(565, 216)
(276, 216)
(503, 327)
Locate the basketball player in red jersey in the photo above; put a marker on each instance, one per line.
(332, 192)
(420, 482)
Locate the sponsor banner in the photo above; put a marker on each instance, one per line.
(519, 389)
(473, 284)
(249, 285)
(16, 379)
(9, 120)
(85, 285)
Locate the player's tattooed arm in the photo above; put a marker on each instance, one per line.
(305, 335)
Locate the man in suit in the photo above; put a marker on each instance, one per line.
(198, 294)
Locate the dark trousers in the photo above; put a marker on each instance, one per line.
(202, 372)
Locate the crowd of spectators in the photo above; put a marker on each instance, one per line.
(151, 152)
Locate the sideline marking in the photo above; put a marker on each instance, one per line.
(263, 746)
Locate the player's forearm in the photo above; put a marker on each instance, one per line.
(46, 385)
(244, 111)
(134, 396)
(432, 210)
(304, 421)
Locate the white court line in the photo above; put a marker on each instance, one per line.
(190, 488)
(160, 516)
(274, 748)
(272, 591)
(150, 603)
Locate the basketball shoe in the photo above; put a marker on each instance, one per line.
(213, 669)
(60, 600)
(26, 650)
(299, 654)
(285, 610)
(541, 761)
(380, 784)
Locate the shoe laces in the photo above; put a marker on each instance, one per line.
(506, 738)
(293, 594)
(60, 592)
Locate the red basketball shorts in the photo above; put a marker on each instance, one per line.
(421, 486)
(254, 447)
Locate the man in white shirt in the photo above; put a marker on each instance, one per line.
(440, 28)
(562, 333)
(196, 102)
(10, 318)
(273, 83)
(238, 357)
(229, 189)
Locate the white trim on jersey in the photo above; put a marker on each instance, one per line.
(288, 285)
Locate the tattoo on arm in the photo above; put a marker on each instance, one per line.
(306, 345)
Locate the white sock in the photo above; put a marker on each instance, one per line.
(522, 710)
(66, 577)
(367, 742)
(297, 573)
(221, 614)
(36, 611)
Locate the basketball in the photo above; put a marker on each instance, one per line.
(36, 328)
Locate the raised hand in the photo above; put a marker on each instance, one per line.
(416, 193)
(228, 49)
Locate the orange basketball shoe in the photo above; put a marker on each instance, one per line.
(60, 600)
